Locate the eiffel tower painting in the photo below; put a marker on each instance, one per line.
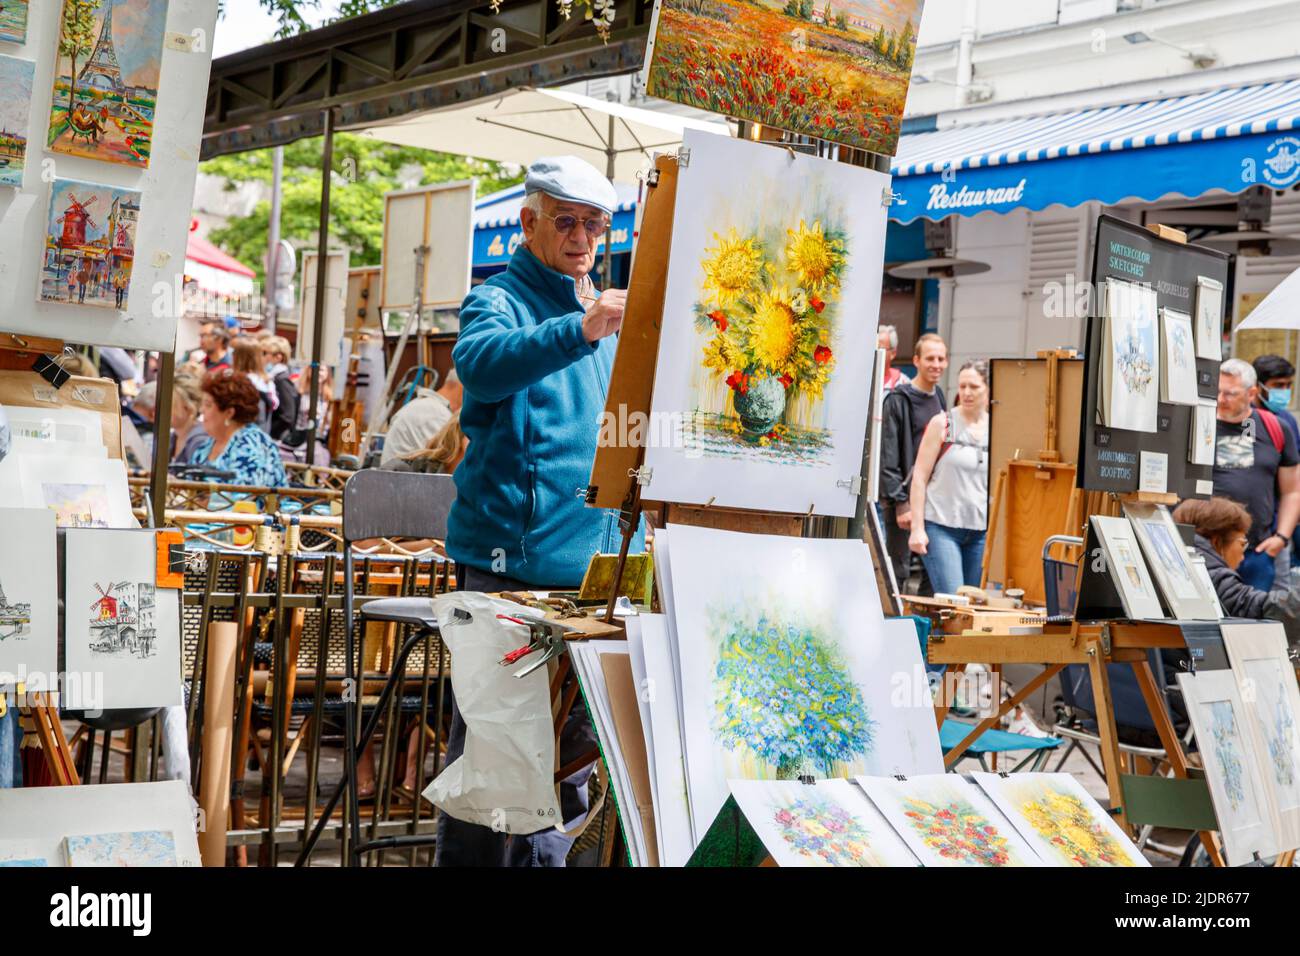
(106, 82)
(101, 72)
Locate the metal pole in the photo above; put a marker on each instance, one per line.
(322, 259)
(611, 154)
(162, 433)
(273, 238)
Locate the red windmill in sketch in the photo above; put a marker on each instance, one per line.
(106, 604)
(75, 219)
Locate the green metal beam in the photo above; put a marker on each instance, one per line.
(413, 58)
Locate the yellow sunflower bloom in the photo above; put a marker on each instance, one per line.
(772, 335)
(814, 257)
(732, 267)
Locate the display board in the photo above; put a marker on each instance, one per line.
(442, 218)
(1110, 458)
(336, 287)
(157, 160)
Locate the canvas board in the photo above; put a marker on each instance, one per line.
(788, 667)
(1266, 679)
(117, 622)
(16, 78)
(441, 217)
(43, 817)
(29, 600)
(89, 251)
(947, 821)
(763, 377)
(1127, 569)
(1167, 558)
(838, 74)
(1232, 767)
(830, 823)
(1060, 820)
(333, 318)
(166, 184)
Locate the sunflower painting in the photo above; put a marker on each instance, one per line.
(770, 312)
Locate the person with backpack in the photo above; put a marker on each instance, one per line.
(1256, 464)
(950, 487)
(906, 412)
(275, 357)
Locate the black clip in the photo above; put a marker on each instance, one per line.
(807, 779)
(900, 778)
(52, 370)
(460, 614)
(1004, 775)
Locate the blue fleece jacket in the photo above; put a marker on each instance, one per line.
(534, 393)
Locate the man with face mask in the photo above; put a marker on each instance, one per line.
(1276, 378)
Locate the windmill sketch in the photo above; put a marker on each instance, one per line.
(15, 616)
(122, 620)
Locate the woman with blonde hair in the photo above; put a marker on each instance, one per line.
(186, 423)
(440, 456)
(248, 359)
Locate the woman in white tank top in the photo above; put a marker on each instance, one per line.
(950, 486)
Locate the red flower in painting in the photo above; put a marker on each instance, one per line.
(786, 380)
(719, 319)
(822, 355)
(817, 304)
(699, 91)
(738, 381)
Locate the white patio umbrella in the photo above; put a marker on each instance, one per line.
(523, 124)
(1280, 308)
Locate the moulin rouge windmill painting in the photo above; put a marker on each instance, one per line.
(106, 83)
(121, 620)
(89, 244)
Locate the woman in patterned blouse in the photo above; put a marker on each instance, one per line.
(230, 407)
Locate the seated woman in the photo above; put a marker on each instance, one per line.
(235, 444)
(440, 457)
(1221, 528)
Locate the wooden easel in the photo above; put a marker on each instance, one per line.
(1095, 646)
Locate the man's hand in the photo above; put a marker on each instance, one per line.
(605, 317)
(1273, 544)
(903, 517)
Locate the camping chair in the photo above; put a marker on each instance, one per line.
(953, 732)
(384, 504)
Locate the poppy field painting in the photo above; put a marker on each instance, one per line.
(837, 70)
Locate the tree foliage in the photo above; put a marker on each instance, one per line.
(363, 170)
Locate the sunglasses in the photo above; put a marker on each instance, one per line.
(565, 223)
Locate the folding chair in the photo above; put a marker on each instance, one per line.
(383, 504)
(953, 732)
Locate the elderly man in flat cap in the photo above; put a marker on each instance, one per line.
(534, 354)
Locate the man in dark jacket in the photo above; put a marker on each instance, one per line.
(275, 357)
(906, 412)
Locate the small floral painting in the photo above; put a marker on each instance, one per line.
(825, 831)
(956, 831)
(1280, 735)
(784, 696)
(1134, 362)
(1227, 747)
(1064, 822)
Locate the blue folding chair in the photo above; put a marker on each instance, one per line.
(953, 732)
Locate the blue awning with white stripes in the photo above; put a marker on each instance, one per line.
(1228, 139)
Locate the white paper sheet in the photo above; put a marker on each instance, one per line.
(29, 600)
(672, 805)
(83, 492)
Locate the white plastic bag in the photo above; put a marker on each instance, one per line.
(505, 779)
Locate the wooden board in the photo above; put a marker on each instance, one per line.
(632, 380)
(734, 519)
(1017, 428)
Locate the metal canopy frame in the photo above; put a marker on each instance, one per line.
(420, 56)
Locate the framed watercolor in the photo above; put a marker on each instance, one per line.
(1177, 359)
(1170, 566)
(1128, 571)
(1209, 319)
(1266, 678)
(1130, 359)
(947, 821)
(1232, 767)
(839, 72)
(1060, 820)
(106, 79)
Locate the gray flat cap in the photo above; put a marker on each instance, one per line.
(573, 180)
